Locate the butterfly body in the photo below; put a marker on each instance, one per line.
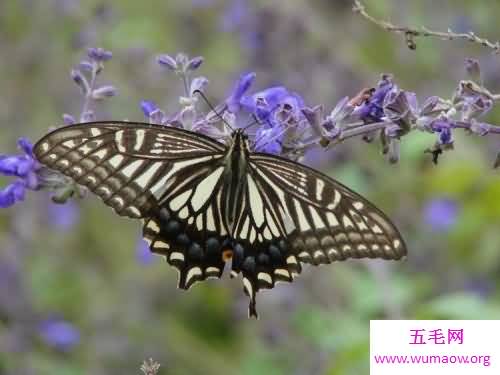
(236, 163)
(204, 203)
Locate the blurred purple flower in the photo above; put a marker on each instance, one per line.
(68, 119)
(167, 61)
(266, 103)
(195, 63)
(24, 167)
(59, 334)
(148, 107)
(197, 84)
(154, 114)
(479, 128)
(372, 109)
(473, 70)
(473, 100)
(86, 66)
(234, 14)
(142, 253)
(276, 108)
(12, 193)
(63, 216)
(269, 140)
(99, 54)
(233, 102)
(238, 17)
(441, 214)
(104, 92)
(443, 127)
(80, 80)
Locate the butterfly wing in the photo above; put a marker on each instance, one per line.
(126, 164)
(169, 177)
(296, 214)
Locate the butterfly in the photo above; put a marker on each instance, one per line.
(205, 204)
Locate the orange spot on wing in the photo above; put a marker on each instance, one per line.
(227, 255)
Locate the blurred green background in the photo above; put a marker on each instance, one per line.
(78, 274)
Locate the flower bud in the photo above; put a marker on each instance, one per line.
(99, 54)
(80, 80)
(167, 61)
(68, 119)
(104, 92)
(195, 63)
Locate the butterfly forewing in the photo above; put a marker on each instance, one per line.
(325, 220)
(126, 164)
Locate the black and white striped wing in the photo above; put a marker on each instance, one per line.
(328, 220)
(126, 164)
(296, 214)
(170, 178)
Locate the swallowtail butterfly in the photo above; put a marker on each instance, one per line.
(204, 203)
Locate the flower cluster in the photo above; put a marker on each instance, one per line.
(29, 172)
(276, 112)
(25, 168)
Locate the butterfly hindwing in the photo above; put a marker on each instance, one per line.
(189, 228)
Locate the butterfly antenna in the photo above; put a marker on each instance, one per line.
(254, 122)
(257, 121)
(205, 99)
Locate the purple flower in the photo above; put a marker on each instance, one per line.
(167, 61)
(104, 92)
(12, 193)
(238, 17)
(442, 127)
(154, 114)
(401, 107)
(372, 109)
(266, 104)
(234, 15)
(441, 214)
(99, 54)
(233, 102)
(277, 109)
(148, 107)
(59, 334)
(195, 63)
(24, 167)
(142, 253)
(473, 70)
(68, 119)
(472, 99)
(269, 140)
(479, 128)
(197, 84)
(63, 216)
